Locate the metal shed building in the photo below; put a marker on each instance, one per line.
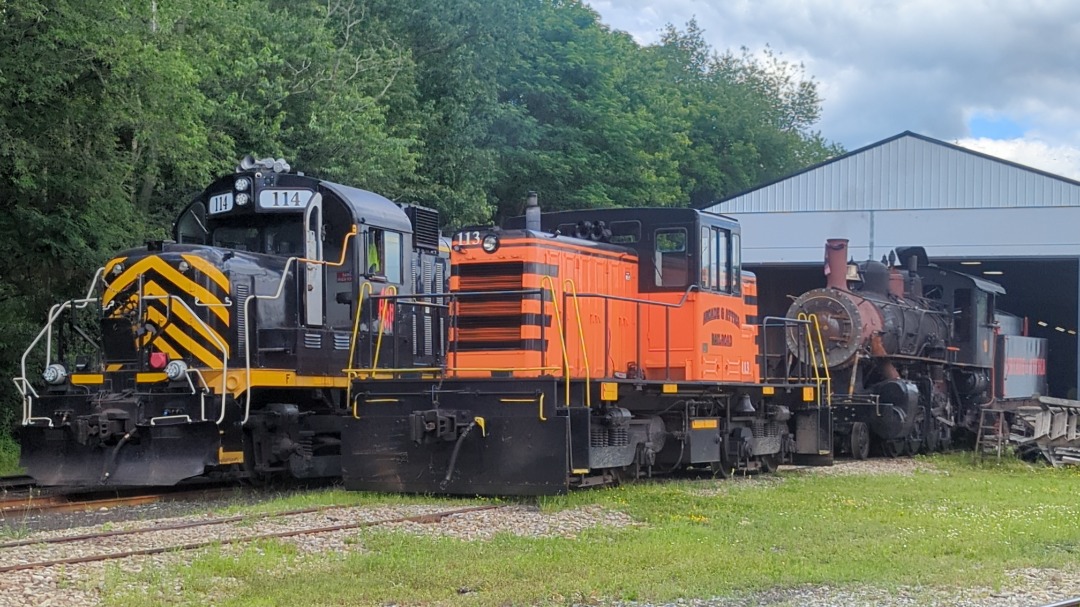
(972, 212)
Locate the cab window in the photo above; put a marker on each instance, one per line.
(384, 255)
(716, 269)
(191, 227)
(670, 258)
(736, 264)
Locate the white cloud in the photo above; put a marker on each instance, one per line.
(1061, 160)
(921, 65)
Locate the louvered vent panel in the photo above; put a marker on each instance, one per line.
(341, 341)
(242, 293)
(425, 223)
(313, 341)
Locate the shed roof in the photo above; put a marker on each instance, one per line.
(908, 172)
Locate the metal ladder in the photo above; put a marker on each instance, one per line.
(993, 433)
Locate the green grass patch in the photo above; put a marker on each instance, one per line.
(9, 456)
(960, 524)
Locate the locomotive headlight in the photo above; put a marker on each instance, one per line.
(490, 243)
(176, 370)
(242, 198)
(118, 269)
(242, 184)
(183, 266)
(55, 374)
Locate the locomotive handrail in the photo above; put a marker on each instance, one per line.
(780, 321)
(356, 321)
(220, 343)
(581, 336)
(22, 382)
(280, 290)
(811, 326)
(648, 302)
(559, 326)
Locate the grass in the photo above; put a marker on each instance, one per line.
(961, 524)
(9, 456)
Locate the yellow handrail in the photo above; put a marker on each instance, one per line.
(550, 283)
(391, 290)
(568, 284)
(356, 322)
(813, 328)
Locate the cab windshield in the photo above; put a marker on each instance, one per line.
(279, 238)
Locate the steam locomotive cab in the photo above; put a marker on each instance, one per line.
(227, 346)
(585, 347)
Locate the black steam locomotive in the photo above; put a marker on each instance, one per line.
(912, 352)
(227, 351)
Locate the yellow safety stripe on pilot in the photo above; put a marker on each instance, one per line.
(182, 340)
(112, 264)
(181, 312)
(230, 457)
(271, 378)
(167, 272)
(208, 269)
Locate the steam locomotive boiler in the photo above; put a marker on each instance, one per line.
(907, 350)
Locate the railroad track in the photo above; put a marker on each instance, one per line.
(11, 548)
(75, 502)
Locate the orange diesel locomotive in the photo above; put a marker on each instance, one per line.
(584, 347)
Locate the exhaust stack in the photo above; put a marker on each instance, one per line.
(836, 263)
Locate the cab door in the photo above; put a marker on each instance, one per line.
(313, 272)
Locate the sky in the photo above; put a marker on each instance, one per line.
(1001, 77)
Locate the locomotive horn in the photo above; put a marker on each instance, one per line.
(246, 163)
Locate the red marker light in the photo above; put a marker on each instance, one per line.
(158, 360)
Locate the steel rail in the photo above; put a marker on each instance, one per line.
(70, 503)
(421, 518)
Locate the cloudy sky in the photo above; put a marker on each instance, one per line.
(1002, 77)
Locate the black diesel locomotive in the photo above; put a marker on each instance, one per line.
(225, 351)
(913, 352)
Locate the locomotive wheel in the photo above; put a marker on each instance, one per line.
(720, 469)
(859, 440)
(769, 463)
(892, 448)
(933, 437)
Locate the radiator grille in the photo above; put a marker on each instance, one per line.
(490, 322)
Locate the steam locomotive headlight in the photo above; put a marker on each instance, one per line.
(55, 374)
(242, 184)
(176, 370)
(490, 243)
(242, 199)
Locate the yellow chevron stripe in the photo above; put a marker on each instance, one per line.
(184, 341)
(197, 325)
(112, 263)
(208, 269)
(160, 344)
(185, 284)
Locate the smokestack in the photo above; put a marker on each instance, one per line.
(836, 263)
(532, 213)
